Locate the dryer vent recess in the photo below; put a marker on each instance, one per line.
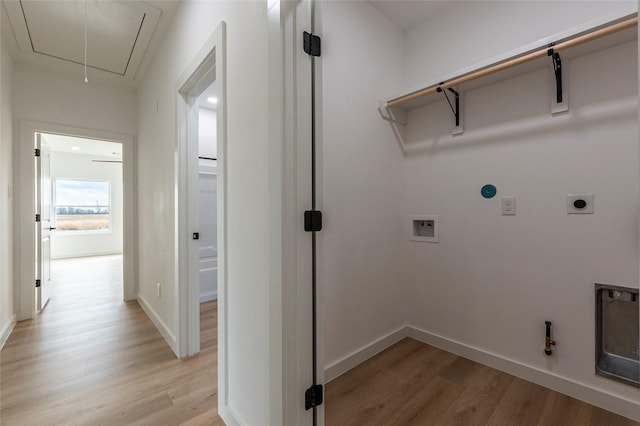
(423, 228)
(617, 330)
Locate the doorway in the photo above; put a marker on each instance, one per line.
(40, 187)
(207, 213)
(201, 200)
(82, 181)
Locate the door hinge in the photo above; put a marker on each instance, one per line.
(37, 283)
(313, 220)
(311, 44)
(37, 217)
(313, 397)
(37, 153)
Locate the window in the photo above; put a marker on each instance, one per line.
(82, 205)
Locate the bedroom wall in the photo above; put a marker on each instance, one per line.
(77, 166)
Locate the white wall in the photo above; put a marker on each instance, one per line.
(46, 100)
(493, 280)
(77, 166)
(361, 278)
(43, 95)
(207, 128)
(470, 32)
(252, 390)
(7, 311)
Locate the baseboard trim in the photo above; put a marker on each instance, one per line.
(229, 416)
(359, 356)
(169, 337)
(587, 393)
(6, 330)
(209, 296)
(87, 254)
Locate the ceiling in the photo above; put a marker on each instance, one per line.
(82, 146)
(122, 36)
(409, 13)
(209, 92)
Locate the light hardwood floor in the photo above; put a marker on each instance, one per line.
(412, 383)
(92, 359)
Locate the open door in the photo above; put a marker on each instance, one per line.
(208, 252)
(43, 222)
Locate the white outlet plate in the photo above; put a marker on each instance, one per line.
(587, 209)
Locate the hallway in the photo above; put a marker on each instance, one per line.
(91, 358)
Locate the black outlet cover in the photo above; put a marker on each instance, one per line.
(580, 204)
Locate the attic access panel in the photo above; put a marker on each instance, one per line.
(118, 32)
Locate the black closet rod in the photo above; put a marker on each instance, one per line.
(517, 60)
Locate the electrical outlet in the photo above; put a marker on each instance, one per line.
(159, 290)
(580, 203)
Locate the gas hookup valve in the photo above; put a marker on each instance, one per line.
(547, 340)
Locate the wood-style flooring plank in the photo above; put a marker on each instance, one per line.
(521, 405)
(91, 359)
(411, 383)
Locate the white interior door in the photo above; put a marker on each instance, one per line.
(43, 227)
(208, 250)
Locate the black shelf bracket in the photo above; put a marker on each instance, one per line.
(456, 110)
(557, 70)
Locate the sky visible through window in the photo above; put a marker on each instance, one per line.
(82, 193)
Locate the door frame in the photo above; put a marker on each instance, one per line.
(43, 261)
(207, 66)
(25, 209)
(291, 83)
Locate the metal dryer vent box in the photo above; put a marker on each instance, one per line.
(617, 329)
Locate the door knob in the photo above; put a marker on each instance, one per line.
(51, 228)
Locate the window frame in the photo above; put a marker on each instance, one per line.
(54, 199)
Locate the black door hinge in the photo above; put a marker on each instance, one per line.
(313, 220)
(311, 44)
(37, 283)
(37, 153)
(313, 397)
(38, 217)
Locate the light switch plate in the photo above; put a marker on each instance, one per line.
(574, 203)
(508, 206)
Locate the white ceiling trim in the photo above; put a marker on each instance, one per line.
(113, 52)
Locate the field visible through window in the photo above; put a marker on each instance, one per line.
(82, 222)
(82, 205)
